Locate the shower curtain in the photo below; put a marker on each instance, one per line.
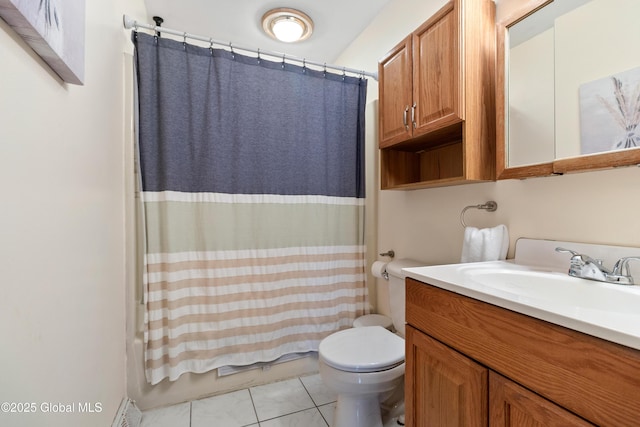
(253, 197)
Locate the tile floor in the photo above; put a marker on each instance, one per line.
(296, 402)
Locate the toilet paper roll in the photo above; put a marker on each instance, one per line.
(378, 269)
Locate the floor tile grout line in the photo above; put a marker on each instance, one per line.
(314, 402)
(309, 394)
(291, 413)
(253, 404)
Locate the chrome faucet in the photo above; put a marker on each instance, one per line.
(585, 267)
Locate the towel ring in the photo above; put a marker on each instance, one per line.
(490, 206)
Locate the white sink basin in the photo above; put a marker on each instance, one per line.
(608, 311)
(559, 289)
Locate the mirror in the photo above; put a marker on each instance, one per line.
(568, 87)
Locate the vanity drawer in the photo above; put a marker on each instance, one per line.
(591, 377)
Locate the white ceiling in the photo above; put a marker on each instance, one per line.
(336, 22)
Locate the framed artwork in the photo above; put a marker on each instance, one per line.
(54, 29)
(610, 113)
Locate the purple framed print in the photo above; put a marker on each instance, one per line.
(54, 29)
(610, 113)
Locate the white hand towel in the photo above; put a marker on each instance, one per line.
(487, 244)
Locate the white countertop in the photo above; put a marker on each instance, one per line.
(607, 311)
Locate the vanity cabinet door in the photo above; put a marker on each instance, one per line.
(514, 406)
(442, 387)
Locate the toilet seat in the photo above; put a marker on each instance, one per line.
(365, 349)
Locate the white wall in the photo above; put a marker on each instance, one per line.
(596, 207)
(62, 252)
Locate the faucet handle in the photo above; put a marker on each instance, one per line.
(621, 267)
(578, 257)
(569, 251)
(576, 264)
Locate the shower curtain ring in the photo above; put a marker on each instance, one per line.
(184, 40)
(259, 59)
(325, 69)
(233, 54)
(283, 61)
(211, 46)
(304, 65)
(344, 73)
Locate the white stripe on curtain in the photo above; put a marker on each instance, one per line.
(177, 196)
(170, 257)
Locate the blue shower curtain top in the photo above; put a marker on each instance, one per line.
(244, 125)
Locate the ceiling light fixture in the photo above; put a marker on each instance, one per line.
(287, 25)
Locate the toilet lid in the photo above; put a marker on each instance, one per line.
(365, 349)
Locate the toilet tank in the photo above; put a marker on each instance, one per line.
(397, 290)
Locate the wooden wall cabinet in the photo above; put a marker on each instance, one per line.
(469, 363)
(437, 100)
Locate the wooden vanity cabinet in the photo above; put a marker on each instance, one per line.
(533, 373)
(436, 105)
(512, 405)
(445, 387)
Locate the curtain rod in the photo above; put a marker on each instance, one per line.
(130, 23)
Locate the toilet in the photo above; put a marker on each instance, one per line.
(365, 364)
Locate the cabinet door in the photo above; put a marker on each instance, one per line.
(437, 72)
(394, 85)
(512, 405)
(443, 387)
